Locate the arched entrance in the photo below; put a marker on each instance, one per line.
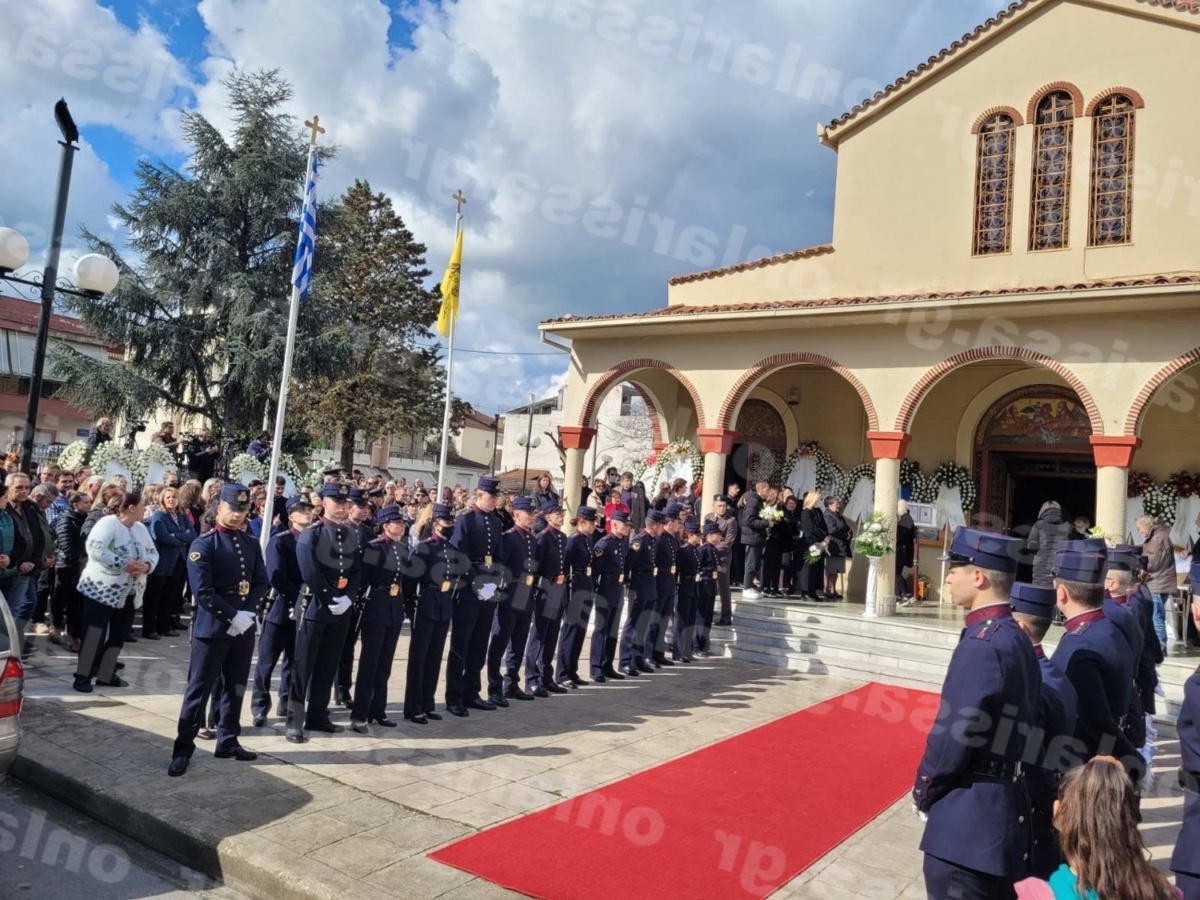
(762, 445)
(1032, 446)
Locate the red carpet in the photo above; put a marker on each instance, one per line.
(736, 819)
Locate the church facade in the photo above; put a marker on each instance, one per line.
(1010, 290)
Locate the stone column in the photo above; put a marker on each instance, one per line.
(1114, 456)
(888, 448)
(716, 444)
(576, 441)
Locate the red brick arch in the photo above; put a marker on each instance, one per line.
(652, 408)
(1009, 111)
(1133, 422)
(626, 371)
(1076, 97)
(908, 409)
(765, 367)
(1134, 97)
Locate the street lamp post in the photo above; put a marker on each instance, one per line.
(94, 275)
(527, 440)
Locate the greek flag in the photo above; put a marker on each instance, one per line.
(306, 246)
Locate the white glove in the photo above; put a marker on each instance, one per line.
(487, 592)
(241, 622)
(340, 605)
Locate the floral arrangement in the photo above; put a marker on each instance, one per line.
(772, 515)
(288, 467)
(111, 451)
(910, 473)
(827, 471)
(850, 480)
(637, 469)
(74, 455)
(951, 475)
(924, 489)
(1159, 501)
(1139, 483)
(673, 451)
(815, 552)
(874, 537)
(1186, 484)
(244, 462)
(157, 453)
(1097, 532)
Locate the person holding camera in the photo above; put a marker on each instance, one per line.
(166, 436)
(260, 447)
(201, 453)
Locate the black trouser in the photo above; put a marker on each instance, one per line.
(662, 614)
(772, 566)
(173, 594)
(812, 577)
(219, 667)
(726, 600)
(276, 640)
(510, 631)
(637, 623)
(541, 648)
(685, 619)
(472, 626)
(424, 660)
(318, 649)
(66, 606)
(737, 562)
(152, 604)
(574, 630)
(704, 612)
(606, 634)
(946, 880)
(104, 631)
(345, 677)
(45, 588)
(374, 670)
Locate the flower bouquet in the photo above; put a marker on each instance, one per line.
(772, 515)
(874, 538)
(815, 552)
(112, 459)
(1139, 483)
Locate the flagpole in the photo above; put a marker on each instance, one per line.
(459, 199)
(284, 380)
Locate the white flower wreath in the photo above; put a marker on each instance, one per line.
(1160, 501)
(244, 462)
(73, 455)
(112, 452)
(952, 475)
(157, 453)
(677, 450)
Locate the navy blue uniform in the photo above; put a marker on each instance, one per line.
(978, 837)
(610, 569)
(439, 574)
(642, 578)
(1057, 710)
(331, 565)
(666, 554)
(386, 573)
(367, 533)
(549, 603)
(581, 599)
(510, 630)
(1185, 862)
(279, 627)
(1141, 604)
(709, 583)
(227, 576)
(1097, 660)
(688, 601)
(1127, 623)
(477, 536)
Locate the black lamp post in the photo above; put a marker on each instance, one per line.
(95, 275)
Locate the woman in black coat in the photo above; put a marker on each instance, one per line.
(813, 534)
(840, 537)
(906, 545)
(778, 541)
(69, 557)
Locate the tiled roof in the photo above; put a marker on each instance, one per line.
(1191, 7)
(806, 253)
(23, 315)
(681, 311)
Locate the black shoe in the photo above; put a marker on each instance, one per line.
(480, 703)
(238, 752)
(296, 736)
(383, 722)
(359, 727)
(725, 623)
(281, 710)
(83, 685)
(457, 709)
(433, 717)
(517, 694)
(541, 692)
(258, 721)
(206, 734)
(341, 697)
(130, 639)
(601, 679)
(556, 688)
(150, 637)
(630, 672)
(661, 661)
(498, 700)
(612, 675)
(179, 765)
(577, 681)
(641, 666)
(328, 727)
(117, 681)
(119, 666)
(417, 720)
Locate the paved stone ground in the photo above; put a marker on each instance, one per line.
(348, 815)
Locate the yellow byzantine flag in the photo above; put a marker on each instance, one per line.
(448, 314)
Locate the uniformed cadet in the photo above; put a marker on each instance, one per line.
(1096, 658)
(362, 514)
(440, 571)
(969, 786)
(610, 567)
(279, 624)
(506, 651)
(548, 605)
(477, 535)
(666, 564)
(581, 599)
(642, 583)
(330, 564)
(387, 574)
(710, 574)
(1124, 562)
(1185, 862)
(1033, 608)
(228, 581)
(688, 600)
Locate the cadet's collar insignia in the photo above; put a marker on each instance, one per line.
(636, 545)
(194, 556)
(599, 551)
(992, 611)
(989, 628)
(1078, 624)
(243, 497)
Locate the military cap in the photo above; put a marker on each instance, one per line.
(1033, 600)
(691, 527)
(390, 514)
(723, 498)
(1133, 553)
(983, 549)
(358, 496)
(335, 490)
(236, 496)
(488, 485)
(1084, 568)
(1124, 558)
(712, 528)
(551, 506)
(587, 513)
(442, 511)
(522, 504)
(297, 501)
(376, 492)
(673, 510)
(334, 471)
(656, 515)
(1085, 545)
(619, 516)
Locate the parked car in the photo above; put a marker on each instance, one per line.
(12, 688)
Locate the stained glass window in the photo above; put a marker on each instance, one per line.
(1112, 172)
(1049, 216)
(993, 186)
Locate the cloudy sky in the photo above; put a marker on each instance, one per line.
(604, 145)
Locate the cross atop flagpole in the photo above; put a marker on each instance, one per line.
(306, 246)
(447, 318)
